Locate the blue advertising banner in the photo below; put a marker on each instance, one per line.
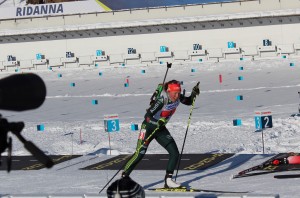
(131, 4)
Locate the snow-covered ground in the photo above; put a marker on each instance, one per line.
(268, 85)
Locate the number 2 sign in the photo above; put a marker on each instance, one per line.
(263, 120)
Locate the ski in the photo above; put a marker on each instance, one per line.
(246, 171)
(261, 166)
(192, 190)
(254, 174)
(264, 172)
(287, 176)
(271, 164)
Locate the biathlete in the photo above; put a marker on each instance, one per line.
(156, 118)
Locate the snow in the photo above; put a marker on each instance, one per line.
(268, 85)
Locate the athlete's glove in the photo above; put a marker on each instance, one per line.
(161, 123)
(196, 90)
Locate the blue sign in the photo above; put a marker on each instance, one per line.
(11, 58)
(69, 55)
(131, 51)
(230, 44)
(197, 46)
(94, 102)
(40, 127)
(111, 123)
(263, 120)
(134, 127)
(266, 42)
(99, 52)
(163, 49)
(38, 56)
(240, 97)
(237, 122)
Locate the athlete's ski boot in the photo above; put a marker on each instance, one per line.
(169, 183)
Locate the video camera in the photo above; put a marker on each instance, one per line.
(20, 92)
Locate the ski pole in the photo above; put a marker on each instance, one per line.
(169, 65)
(187, 128)
(137, 151)
(299, 103)
(112, 178)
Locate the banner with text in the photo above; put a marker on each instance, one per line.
(50, 9)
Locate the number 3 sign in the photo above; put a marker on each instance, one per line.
(263, 120)
(111, 123)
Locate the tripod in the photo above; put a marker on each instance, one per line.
(6, 143)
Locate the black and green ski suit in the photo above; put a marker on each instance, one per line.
(162, 107)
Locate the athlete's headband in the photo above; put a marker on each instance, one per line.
(174, 87)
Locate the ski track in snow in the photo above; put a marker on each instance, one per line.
(150, 94)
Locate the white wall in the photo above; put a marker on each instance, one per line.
(176, 41)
